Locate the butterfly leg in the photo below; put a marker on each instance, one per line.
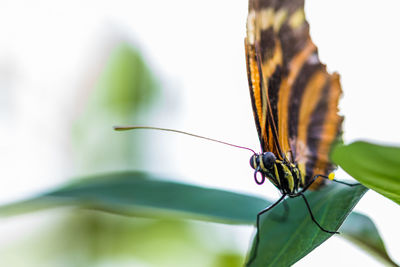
(325, 177)
(312, 216)
(307, 185)
(254, 255)
(308, 205)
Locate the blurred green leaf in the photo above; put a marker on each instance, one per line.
(361, 230)
(123, 94)
(284, 243)
(377, 167)
(228, 260)
(84, 238)
(126, 84)
(139, 194)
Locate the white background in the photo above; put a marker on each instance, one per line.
(196, 49)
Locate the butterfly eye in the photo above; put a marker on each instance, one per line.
(268, 159)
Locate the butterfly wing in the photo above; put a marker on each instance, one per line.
(258, 51)
(294, 98)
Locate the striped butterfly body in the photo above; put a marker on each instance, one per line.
(294, 98)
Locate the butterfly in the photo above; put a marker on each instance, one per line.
(294, 100)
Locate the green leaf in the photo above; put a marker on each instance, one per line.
(139, 194)
(282, 243)
(361, 230)
(377, 167)
(135, 193)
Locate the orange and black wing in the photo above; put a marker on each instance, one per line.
(294, 98)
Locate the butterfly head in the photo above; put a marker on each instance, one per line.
(263, 161)
(284, 175)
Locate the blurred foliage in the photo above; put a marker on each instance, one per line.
(361, 230)
(375, 166)
(84, 238)
(228, 260)
(123, 94)
(126, 87)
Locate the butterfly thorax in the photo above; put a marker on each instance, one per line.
(286, 176)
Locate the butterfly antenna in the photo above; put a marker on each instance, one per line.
(127, 128)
